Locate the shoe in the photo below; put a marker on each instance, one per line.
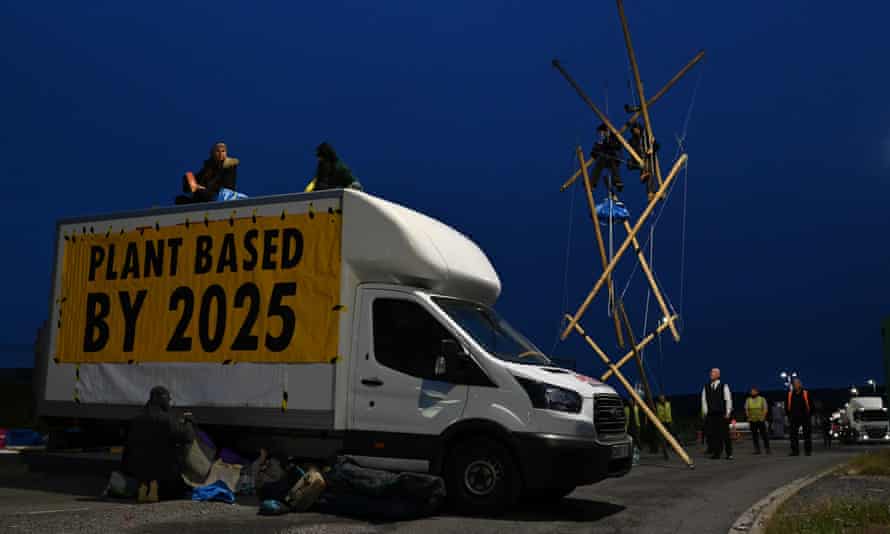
(730, 457)
(715, 457)
(757, 452)
(148, 492)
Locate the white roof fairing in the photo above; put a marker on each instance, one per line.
(387, 243)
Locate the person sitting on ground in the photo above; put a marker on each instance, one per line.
(606, 154)
(155, 445)
(332, 172)
(218, 171)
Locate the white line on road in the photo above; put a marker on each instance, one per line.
(56, 511)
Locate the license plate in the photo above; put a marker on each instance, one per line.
(621, 451)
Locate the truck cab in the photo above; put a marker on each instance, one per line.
(446, 385)
(867, 420)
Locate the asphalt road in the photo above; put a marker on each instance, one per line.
(656, 497)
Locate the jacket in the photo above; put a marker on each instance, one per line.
(793, 408)
(664, 412)
(214, 177)
(155, 445)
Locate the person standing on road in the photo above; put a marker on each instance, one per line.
(756, 409)
(778, 420)
(663, 411)
(799, 412)
(716, 404)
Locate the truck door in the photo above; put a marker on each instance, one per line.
(400, 384)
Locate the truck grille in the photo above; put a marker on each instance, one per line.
(608, 415)
(876, 433)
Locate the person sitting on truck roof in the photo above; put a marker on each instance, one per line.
(332, 172)
(219, 171)
(154, 450)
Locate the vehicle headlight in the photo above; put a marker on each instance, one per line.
(550, 397)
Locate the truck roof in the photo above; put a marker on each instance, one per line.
(388, 243)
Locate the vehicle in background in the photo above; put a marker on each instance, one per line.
(866, 420)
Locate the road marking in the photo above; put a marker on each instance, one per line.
(57, 511)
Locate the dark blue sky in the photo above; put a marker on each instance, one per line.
(453, 109)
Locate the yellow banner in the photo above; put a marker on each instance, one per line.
(263, 289)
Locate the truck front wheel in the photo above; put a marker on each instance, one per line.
(482, 478)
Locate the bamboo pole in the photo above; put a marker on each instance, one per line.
(630, 390)
(682, 72)
(652, 284)
(639, 346)
(639, 358)
(633, 343)
(611, 267)
(698, 57)
(644, 107)
(605, 120)
(599, 240)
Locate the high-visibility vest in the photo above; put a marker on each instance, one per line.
(664, 412)
(806, 400)
(756, 409)
(636, 415)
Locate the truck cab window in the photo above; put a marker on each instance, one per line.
(407, 338)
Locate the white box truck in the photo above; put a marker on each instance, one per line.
(330, 323)
(866, 420)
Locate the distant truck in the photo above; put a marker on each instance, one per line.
(865, 420)
(323, 323)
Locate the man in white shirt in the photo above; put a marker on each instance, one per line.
(716, 407)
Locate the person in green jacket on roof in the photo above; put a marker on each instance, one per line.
(332, 172)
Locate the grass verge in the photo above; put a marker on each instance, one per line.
(834, 516)
(873, 463)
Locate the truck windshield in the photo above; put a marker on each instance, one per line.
(492, 332)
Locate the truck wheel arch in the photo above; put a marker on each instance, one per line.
(472, 429)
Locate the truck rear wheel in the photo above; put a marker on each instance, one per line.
(482, 478)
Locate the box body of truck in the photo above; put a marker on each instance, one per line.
(335, 322)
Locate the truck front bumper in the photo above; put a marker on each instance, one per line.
(559, 461)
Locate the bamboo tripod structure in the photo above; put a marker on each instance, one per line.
(646, 160)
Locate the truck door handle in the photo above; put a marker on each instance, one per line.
(372, 382)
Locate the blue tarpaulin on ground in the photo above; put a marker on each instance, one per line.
(23, 437)
(218, 491)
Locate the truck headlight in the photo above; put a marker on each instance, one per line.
(550, 397)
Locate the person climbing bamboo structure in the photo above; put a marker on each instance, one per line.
(633, 118)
